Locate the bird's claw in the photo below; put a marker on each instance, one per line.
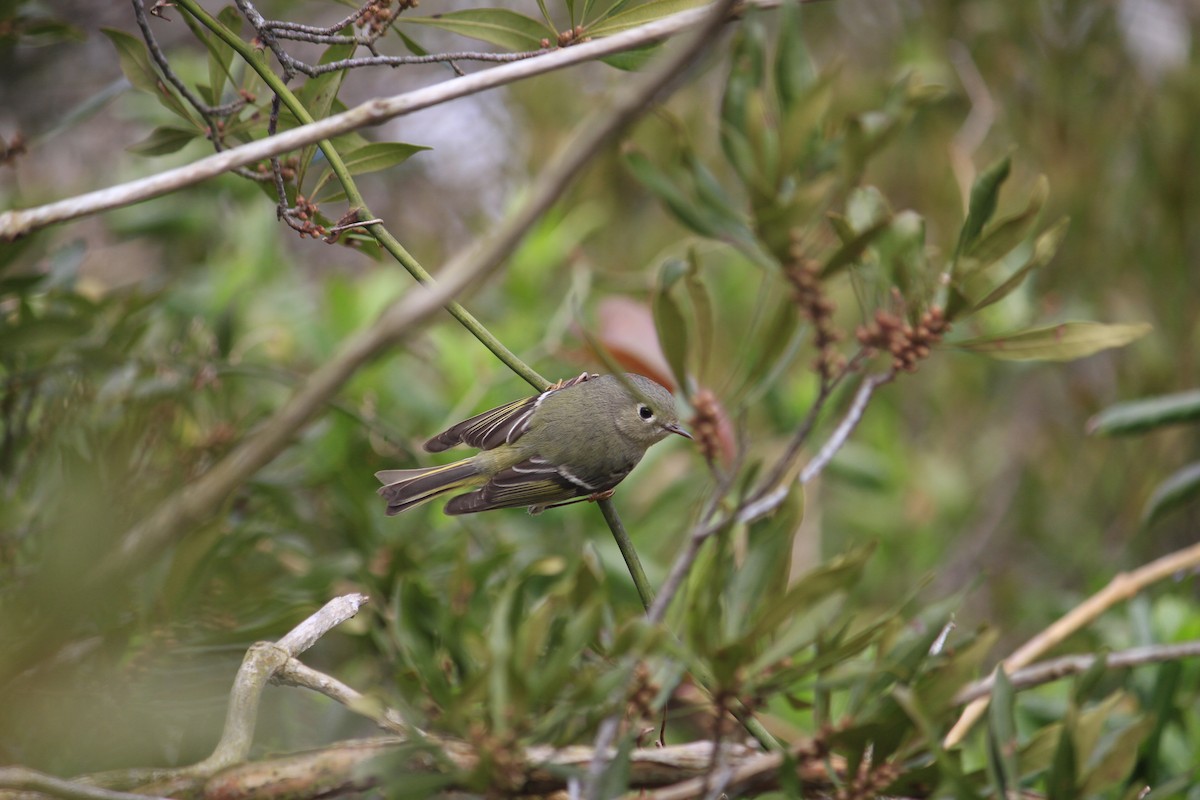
(565, 382)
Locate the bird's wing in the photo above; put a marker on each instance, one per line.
(533, 482)
(502, 425)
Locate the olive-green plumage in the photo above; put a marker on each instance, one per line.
(579, 439)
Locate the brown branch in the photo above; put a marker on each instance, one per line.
(346, 767)
(1058, 668)
(1122, 587)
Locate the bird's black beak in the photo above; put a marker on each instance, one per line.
(675, 427)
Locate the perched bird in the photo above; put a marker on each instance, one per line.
(578, 439)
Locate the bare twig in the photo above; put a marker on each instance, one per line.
(1122, 587)
(406, 61)
(296, 673)
(1048, 671)
(262, 662)
(28, 780)
(764, 504)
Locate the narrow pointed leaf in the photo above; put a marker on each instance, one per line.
(633, 60)
(1118, 759)
(380, 155)
(163, 140)
(793, 70)
(135, 63)
(1143, 415)
(1002, 735)
(703, 316)
(1064, 342)
(685, 209)
(640, 15)
(671, 325)
(1002, 237)
(984, 195)
(134, 60)
(1181, 487)
(1061, 782)
(1043, 251)
(318, 96)
(499, 26)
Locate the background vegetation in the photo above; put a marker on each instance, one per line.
(137, 348)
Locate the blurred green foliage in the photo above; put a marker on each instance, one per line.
(969, 494)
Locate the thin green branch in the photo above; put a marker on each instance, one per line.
(355, 198)
(625, 544)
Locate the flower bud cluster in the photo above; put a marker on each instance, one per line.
(378, 15)
(804, 274)
(907, 344)
(706, 423)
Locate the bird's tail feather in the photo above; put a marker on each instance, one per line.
(405, 488)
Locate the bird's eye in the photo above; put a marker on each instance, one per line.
(644, 412)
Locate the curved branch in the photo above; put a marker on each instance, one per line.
(1055, 669)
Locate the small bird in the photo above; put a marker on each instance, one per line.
(578, 439)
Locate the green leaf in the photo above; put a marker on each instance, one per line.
(614, 781)
(164, 140)
(318, 96)
(46, 334)
(837, 574)
(762, 575)
(1063, 342)
(1120, 755)
(1002, 735)
(1164, 699)
(775, 347)
(1003, 236)
(372, 158)
(1183, 485)
(498, 26)
(135, 63)
(671, 326)
(947, 761)
(380, 155)
(633, 60)
(1061, 782)
(134, 60)
(1138, 416)
(984, 195)
(220, 55)
(40, 31)
(691, 214)
(745, 76)
(702, 315)
(1043, 250)
(640, 15)
(793, 70)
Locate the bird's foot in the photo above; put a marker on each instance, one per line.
(565, 382)
(598, 496)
